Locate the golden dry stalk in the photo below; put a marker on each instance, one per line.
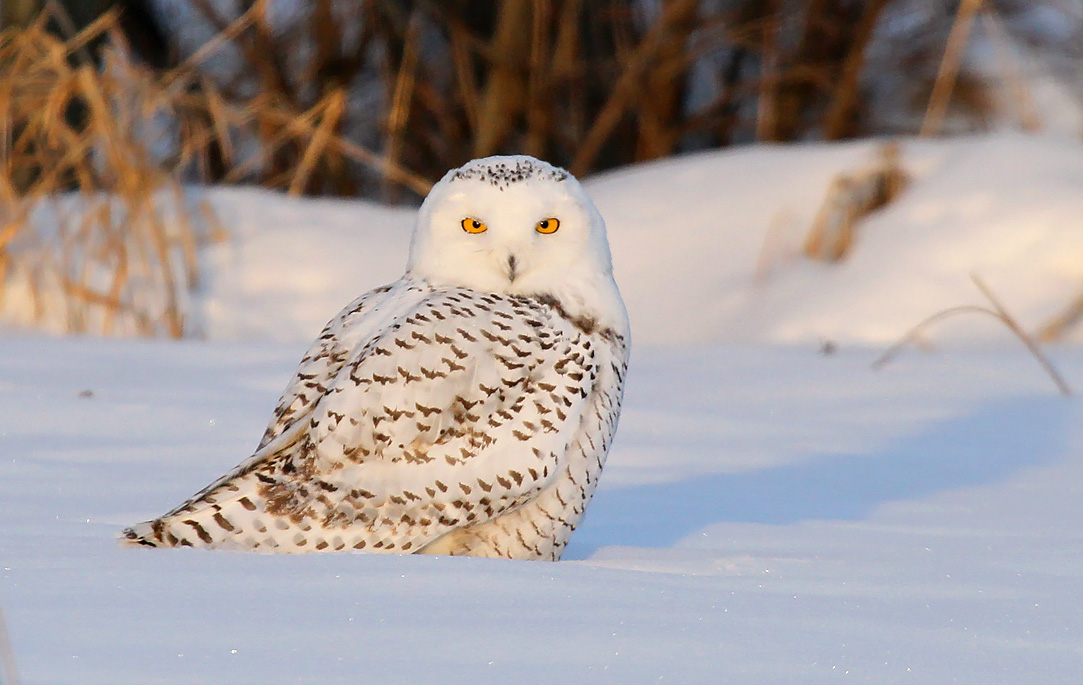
(95, 237)
(96, 232)
(850, 198)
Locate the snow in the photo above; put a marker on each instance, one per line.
(773, 511)
(768, 514)
(289, 265)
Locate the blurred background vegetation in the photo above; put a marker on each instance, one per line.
(121, 103)
(378, 98)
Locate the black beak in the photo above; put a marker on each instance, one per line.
(512, 263)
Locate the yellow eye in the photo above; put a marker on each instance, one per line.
(473, 226)
(549, 225)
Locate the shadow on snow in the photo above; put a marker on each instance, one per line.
(991, 445)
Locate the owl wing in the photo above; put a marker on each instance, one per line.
(458, 411)
(325, 358)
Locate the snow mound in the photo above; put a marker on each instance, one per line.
(707, 247)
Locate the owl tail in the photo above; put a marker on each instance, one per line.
(229, 513)
(139, 534)
(194, 529)
(220, 518)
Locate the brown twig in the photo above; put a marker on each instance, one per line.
(844, 99)
(949, 68)
(767, 103)
(401, 98)
(330, 116)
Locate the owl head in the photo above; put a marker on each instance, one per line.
(519, 226)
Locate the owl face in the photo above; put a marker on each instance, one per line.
(510, 225)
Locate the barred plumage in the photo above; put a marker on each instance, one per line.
(436, 415)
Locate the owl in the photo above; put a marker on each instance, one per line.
(465, 409)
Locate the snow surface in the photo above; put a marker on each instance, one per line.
(772, 511)
(768, 515)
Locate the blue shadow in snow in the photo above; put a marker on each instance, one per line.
(994, 443)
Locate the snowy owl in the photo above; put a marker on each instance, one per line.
(466, 408)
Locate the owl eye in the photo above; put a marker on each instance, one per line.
(547, 226)
(473, 225)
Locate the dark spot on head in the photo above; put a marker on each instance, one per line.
(501, 174)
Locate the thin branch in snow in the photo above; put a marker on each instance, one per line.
(998, 312)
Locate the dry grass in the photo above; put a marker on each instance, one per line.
(952, 83)
(949, 67)
(94, 237)
(995, 310)
(588, 86)
(96, 232)
(850, 198)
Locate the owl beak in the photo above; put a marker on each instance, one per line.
(513, 265)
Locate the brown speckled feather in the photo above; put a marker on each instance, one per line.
(424, 420)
